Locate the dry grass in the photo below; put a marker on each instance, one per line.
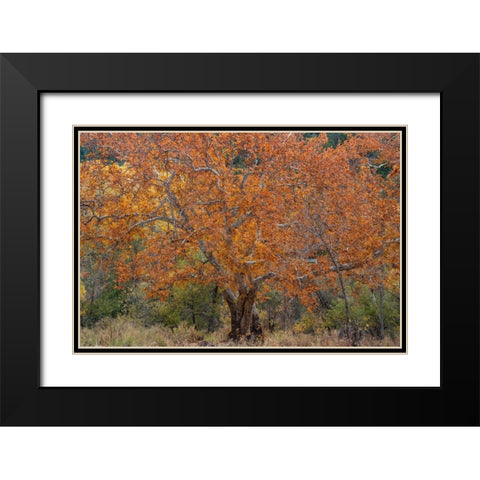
(124, 332)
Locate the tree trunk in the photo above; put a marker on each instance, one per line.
(255, 327)
(348, 328)
(245, 321)
(380, 312)
(212, 318)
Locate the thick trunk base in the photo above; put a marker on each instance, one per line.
(245, 321)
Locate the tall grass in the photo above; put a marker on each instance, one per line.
(125, 332)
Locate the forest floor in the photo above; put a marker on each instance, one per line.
(124, 332)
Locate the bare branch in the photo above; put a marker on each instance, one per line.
(240, 221)
(285, 225)
(382, 249)
(172, 221)
(205, 169)
(261, 278)
(211, 257)
(229, 295)
(343, 266)
(244, 180)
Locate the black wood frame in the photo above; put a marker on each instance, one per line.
(23, 77)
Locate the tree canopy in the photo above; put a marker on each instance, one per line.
(248, 212)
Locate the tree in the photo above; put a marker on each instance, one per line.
(351, 216)
(245, 211)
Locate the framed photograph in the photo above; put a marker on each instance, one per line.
(276, 239)
(239, 239)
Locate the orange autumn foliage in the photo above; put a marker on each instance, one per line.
(244, 210)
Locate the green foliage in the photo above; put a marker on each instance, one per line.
(109, 303)
(194, 304)
(269, 309)
(279, 311)
(335, 139)
(384, 170)
(366, 309)
(90, 151)
(198, 308)
(239, 162)
(308, 324)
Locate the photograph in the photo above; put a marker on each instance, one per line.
(239, 241)
(239, 238)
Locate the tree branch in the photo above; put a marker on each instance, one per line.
(239, 222)
(261, 278)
